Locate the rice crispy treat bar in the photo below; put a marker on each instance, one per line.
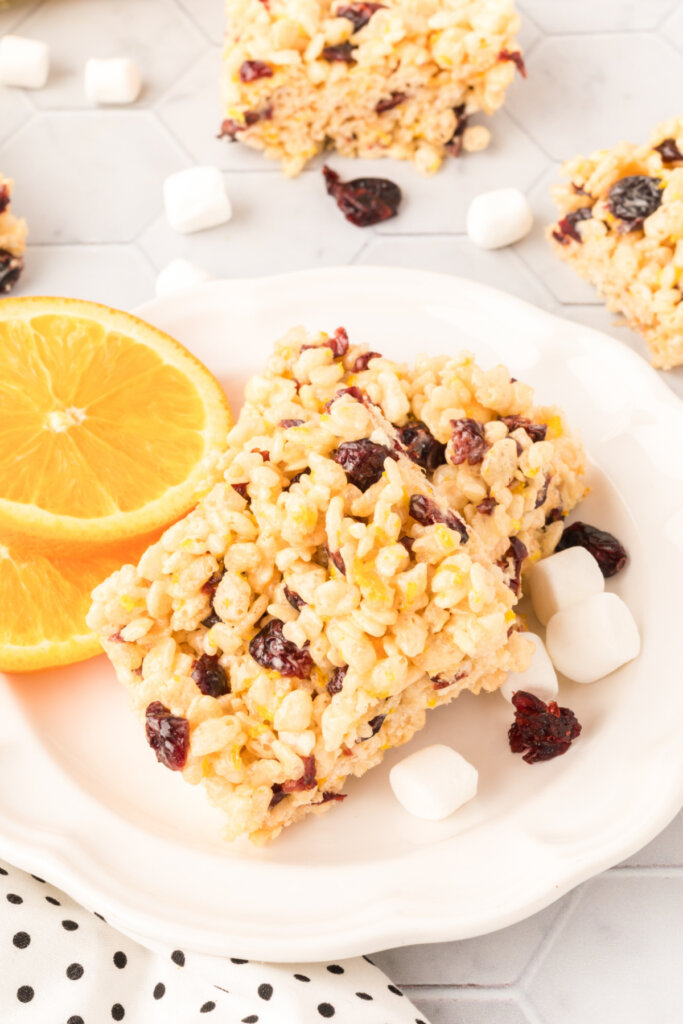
(395, 79)
(351, 571)
(621, 228)
(12, 239)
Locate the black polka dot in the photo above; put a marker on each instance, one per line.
(53, 901)
(207, 1007)
(69, 926)
(235, 960)
(21, 940)
(120, 960)
(75, 1020)
(118, 1012)
(74, 972)
(13, 898)
(98, 915)
(335, 969)
(253, 1019)
(178, 957)
(301, 977)
(363, 995)
(368, 960)
(418, 1020)
(25, 994)
(325, 1010)
(42, 880)
(159, 990)
(396, 991)
(2, 871)
(265, 991)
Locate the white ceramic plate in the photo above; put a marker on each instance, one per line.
(83, 802)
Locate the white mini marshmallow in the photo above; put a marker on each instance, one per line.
(433, 782)
(562, 580)
(540, 678)
(178, 276)
(24, 62)
(499, 218)
(195, 199)
(589, 640)
(116, 80)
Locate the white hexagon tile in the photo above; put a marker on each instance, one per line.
(89, 183)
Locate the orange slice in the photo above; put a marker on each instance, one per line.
(44, 602)
(109, 429)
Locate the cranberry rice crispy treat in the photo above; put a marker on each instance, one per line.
(12, 240)
(302, 619)
(395, 79)
(621, 228)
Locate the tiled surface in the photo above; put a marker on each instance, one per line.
(89, 183)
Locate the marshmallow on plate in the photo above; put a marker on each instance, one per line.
(115, 80)
(24, 62)
(563, 579)
(540, 678)
(593, 638)
(178, 276)
(433, 782)
(195, 199)
(499, 218)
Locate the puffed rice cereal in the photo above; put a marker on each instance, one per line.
(621, 228)
(358, 564)
(12, 239)
(398, 78)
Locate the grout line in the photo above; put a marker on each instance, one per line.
(200, 28)
(548, 940)
(646, 870)
(475, 993)
(528, 1008)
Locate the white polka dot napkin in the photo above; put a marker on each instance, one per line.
(62, 964)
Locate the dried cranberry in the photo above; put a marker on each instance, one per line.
(364, 201)
(669, 151)
(307, 780)
(554, 516)
(286, 424)
(468, 442)
(4, 198)
(566, 228)
(441, 681)
(211, 620)
(272, 650)
(516, 554)
(168, 735)
(634, 198)
(516, 57)
(211, 584)
(358, 14)
(241, 490)
(486, 506)
(11, 267)
(337, 561)
(294, 599)
(407, 543)
(393, 100)
(343, 53)
(375, 725)
(543, 493)
(210, 676)
(427, 512)
(337, 680)
(339, 343)
(277, 796)
(362, 361)
(421, 446)
(353, 391)
(362, 461)
(454, 144)
(536, 431)
(543, 730)
(327, 796)
(230, 128)
(297, 476)
(262, 452)
(251, 70)
(608, 552)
